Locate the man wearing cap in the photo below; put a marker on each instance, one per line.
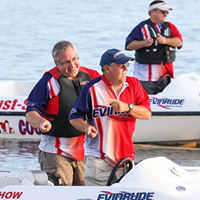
(110, 104)
(154, 42)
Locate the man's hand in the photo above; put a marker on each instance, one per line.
(161, 39)
(45, 126)
(119, 106)
(148, 42)
(90, 131)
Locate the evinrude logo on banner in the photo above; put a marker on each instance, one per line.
(126, 195)
(167, 103)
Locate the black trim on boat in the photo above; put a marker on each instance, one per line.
(175, 113)
(13, 113)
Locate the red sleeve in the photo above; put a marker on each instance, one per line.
(142, 98)
(175, 33)
(91, 72)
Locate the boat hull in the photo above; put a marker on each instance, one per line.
(167, 128)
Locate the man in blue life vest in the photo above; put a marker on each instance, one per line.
(49, 103)
(154, 42)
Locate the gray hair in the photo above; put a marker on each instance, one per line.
(61, 47)
(102, 69)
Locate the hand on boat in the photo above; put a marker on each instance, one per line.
(45, 126)
(90, 131)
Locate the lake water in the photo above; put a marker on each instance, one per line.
(30, 28)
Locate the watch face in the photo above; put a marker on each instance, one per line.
(130, 107)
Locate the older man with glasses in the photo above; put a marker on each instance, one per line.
(106, 110)
(154, 42)
(49, 103)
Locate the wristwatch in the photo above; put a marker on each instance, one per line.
(130, 106)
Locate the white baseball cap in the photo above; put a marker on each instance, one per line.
(162, 6)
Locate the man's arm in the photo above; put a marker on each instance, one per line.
(139, 112)
(136, 44)
(174, 41)
(37, 121)
(82, 126)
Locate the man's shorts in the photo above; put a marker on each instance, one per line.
(71, 171)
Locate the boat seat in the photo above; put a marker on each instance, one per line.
(34, 177)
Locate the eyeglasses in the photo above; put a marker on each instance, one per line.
(121, 66)
(69, 62)
(164, 12)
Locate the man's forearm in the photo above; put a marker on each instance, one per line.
(34, 119)
(174, 42)
(136, 45)
(79, 124)
(140, 112)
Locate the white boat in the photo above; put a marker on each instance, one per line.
(176, 112)
(151, 179)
